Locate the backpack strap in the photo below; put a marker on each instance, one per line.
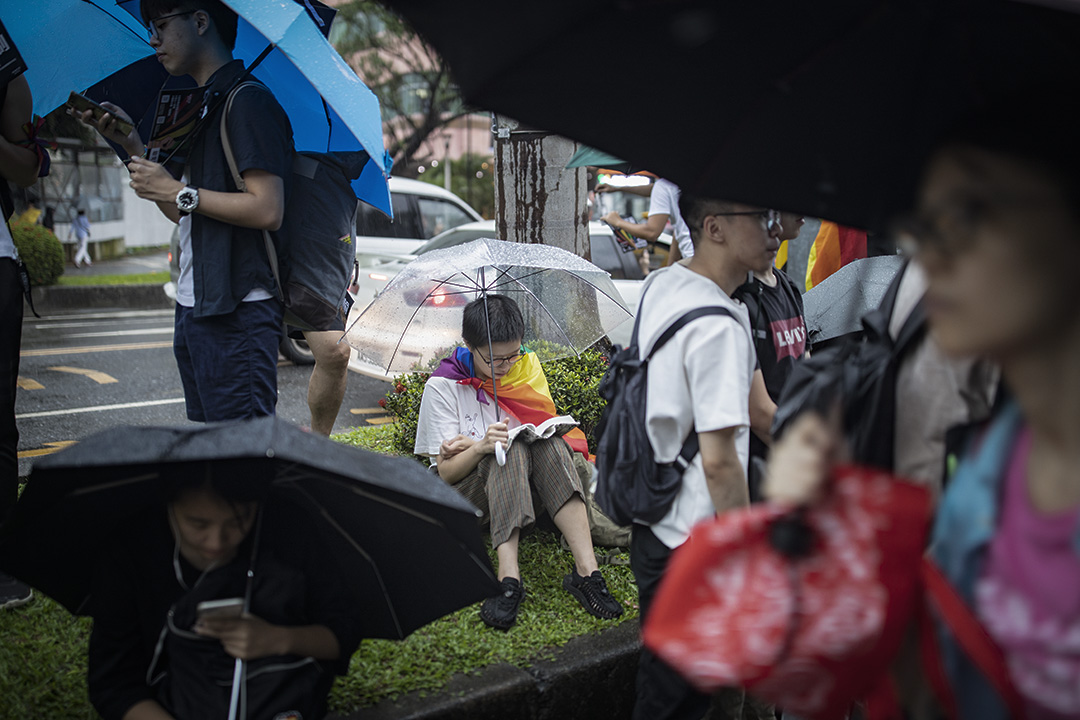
(691, 444)
(238, 180)
(972, 638)
(749, 293)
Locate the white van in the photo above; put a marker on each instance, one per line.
(421, 211)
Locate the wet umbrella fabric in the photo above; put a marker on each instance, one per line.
(836, 306)
(329, 107)
(567, 303)
(825, 108)
(406, 542)
(70, 45)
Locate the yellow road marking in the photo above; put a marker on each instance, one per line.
(381, 420)
(49, 449)
(96, 375)
(95, 348)
(367, 411)
(29, 383)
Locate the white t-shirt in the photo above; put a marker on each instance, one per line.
(7, 243)
(664, 200)
(185, 284)
(699, 379)
(447, 409)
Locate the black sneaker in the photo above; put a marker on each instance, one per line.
(593, 594)
(13, 593)
(500, 612)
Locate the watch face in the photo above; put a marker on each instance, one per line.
(187, 200)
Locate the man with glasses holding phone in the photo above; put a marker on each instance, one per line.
(459, 427)
(228, 318)
(704, 388)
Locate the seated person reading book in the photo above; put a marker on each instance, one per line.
(459, 428)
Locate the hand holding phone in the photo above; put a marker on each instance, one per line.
(82, 104)
(220, 609)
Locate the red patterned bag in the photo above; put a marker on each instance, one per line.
(810, 634)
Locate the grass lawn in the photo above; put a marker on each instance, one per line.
(43, 648)
(153, 278)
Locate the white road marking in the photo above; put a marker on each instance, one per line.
(98, 408)
(119, 333)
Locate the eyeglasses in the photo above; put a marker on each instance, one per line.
(771, 217)
(501, 361)
(155, 30)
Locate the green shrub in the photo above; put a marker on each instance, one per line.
(41, 251)
(403, 401)
(572, 380)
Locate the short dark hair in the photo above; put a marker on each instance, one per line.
(225, 20)
(695, 208)
(503, 316)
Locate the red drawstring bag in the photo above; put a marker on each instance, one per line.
(811, 629)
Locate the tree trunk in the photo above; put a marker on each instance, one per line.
(537, 200)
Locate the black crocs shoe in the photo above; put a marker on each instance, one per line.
(501, 611)
(593, 594)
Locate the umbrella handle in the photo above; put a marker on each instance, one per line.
(237, 684)
(500, 454)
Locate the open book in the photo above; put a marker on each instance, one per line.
(557, 425)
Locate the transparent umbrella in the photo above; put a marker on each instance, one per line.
(567, 302)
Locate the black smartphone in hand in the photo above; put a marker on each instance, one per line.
(81, 103)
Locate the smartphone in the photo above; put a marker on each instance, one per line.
(216, 609)
(83, 103)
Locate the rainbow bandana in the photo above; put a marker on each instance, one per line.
(523, 392)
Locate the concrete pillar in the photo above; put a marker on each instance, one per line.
(537, 200)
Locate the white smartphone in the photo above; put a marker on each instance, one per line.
(227, 608)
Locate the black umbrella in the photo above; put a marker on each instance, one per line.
(826, 108)
(837, 304)
(392, 526)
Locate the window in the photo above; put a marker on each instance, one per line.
(437, 215)
(372, 223)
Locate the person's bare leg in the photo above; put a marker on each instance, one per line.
(507, 556)
(573, 521)
(329, 378)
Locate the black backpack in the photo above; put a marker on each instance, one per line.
(313, 253)
(630, 485)
(860, 374)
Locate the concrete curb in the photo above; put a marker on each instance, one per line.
(590, 677)
(87, 297)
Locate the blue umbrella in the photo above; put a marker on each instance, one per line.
(70, 45)
(329, 108)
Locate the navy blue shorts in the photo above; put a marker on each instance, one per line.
(228, 363)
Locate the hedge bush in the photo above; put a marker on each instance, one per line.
(40, 250)
(572, 380)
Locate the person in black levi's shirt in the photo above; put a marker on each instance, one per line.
(780, 340)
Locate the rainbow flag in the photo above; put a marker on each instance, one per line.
(834, 247)
(523, 392)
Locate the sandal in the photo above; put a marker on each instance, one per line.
(593, 594)
(501, 611)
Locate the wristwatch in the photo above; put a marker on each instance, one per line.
(187, 200)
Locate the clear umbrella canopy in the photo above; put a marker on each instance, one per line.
(567, 302)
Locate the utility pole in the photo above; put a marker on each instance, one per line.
(537, 200)
(446, 163)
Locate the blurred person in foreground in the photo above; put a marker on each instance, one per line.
(154, 656)
(998, 237)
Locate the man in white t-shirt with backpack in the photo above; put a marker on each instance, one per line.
(710, 363)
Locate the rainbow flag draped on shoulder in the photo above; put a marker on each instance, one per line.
(523, 392)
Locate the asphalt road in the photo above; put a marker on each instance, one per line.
(85, 372)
